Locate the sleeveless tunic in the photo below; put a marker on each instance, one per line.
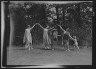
(46, 38)
(27, 36)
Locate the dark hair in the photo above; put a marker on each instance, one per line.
(28, 25)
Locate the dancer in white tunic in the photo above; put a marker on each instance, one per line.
(67, 34)
(27, 37)
(46, 39)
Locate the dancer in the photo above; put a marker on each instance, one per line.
(27, 37)
(50, 34)
(53, 34)
(46, 39)
(75, 42)
(65, 32)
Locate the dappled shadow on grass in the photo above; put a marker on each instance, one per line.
(20, 49)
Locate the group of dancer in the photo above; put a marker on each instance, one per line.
(27, 40)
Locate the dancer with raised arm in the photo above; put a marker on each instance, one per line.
(27, 37)
(46, 39)
(66, 36)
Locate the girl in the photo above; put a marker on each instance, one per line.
(75, 42)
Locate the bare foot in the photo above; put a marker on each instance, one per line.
(68, 50)
(52, 49)
(47, 47)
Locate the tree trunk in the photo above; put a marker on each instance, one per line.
(77, 16)
(57, 14)
(64, 15)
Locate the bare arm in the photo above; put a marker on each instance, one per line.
(62, 29)
(71, 37)
(52, 28)
(40, 25)
(33, 26)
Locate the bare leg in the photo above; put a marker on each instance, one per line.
(77, 47)
(44, 43)
(26, 45)
(67, 43)
(48, 42)
(31, 46)
(62, 41)
(57, 39)
(52, 43)
(74, 46)
(52, 46)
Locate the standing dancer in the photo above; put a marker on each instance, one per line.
(67, 36)
(50, 34)
(75, 42)
(46, 39)
(53, 34)
(27, 37)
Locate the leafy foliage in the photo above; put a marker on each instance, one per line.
(76, 16)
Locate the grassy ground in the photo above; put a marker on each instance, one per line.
(39, 56)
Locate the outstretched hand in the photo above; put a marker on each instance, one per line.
(33, 26)
(37, 23)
